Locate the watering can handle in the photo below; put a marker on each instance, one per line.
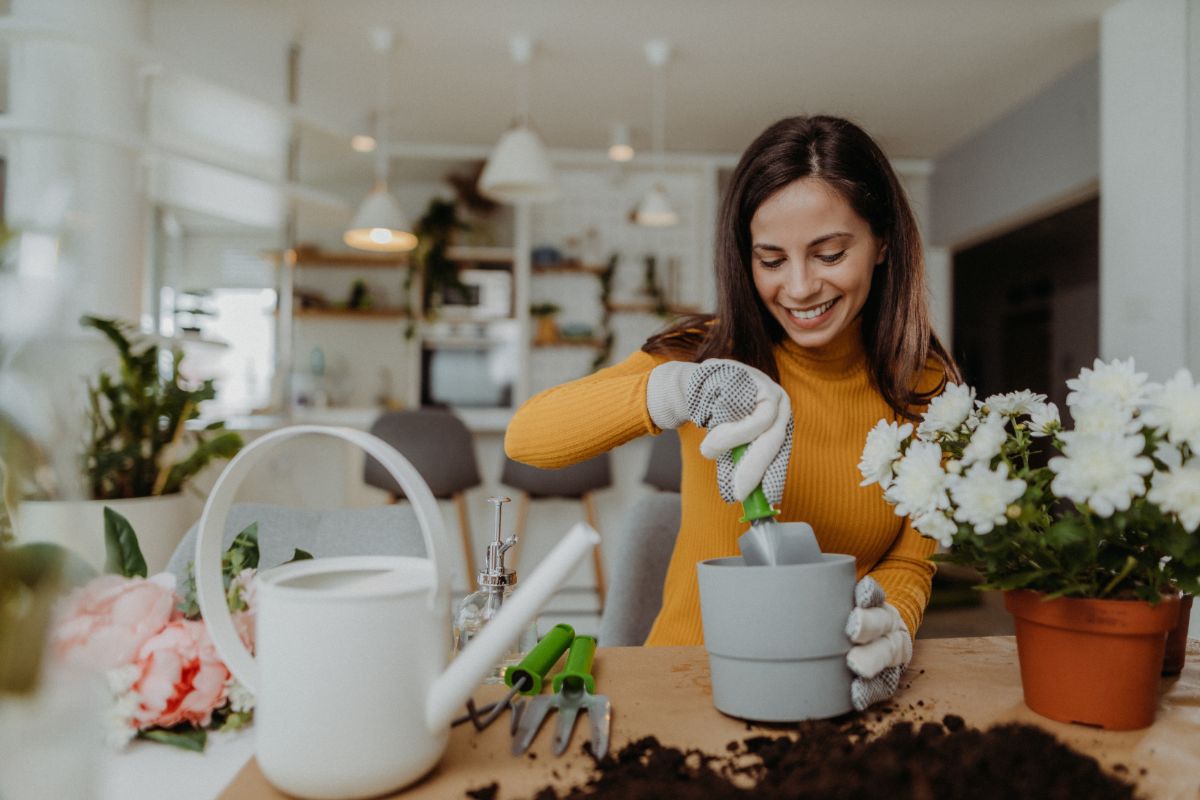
(210, 591)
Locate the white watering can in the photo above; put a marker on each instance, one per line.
(353, 695)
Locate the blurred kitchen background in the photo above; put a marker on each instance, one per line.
(193, 167)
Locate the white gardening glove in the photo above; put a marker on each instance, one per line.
(882, 645)
(738, 405)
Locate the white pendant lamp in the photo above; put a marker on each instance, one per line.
(621, 148)
(380, 224)
(518, 170)
(655, 209)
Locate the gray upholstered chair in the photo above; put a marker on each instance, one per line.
(442, 450)
(644, 551)
(374, 530)
(578, 481)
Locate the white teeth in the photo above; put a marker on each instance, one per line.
(814, 313)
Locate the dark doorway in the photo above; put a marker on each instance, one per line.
(1027, 305)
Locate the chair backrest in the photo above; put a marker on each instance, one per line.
(387, 530)
(438, 444)
(665, 466)
(639, 568)
(573, 481)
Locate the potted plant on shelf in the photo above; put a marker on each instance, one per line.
(1092, 549)
(139, 456)
(547, 329)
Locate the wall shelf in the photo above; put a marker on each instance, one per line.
(351, 313)
(340, 259)
(570, 267)
(571, 343)
(648, 308)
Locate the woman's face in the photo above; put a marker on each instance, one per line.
(812, 259)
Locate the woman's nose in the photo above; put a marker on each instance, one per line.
(801, 281)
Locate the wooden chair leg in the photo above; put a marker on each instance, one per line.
(514, 555)
(464, 528)
(589, 512)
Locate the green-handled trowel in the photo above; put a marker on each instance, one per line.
(769, 543)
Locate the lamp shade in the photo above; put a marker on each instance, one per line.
(380, 224)
(518, 169)
(655, 209)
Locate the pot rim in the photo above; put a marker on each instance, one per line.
(1096, 615)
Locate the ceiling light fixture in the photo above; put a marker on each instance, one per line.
(621, 148)
(519, 170)
(655, 209)
(380, 224)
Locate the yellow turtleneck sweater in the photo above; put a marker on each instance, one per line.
(833, 405)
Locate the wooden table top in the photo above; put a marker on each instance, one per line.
(666, 691)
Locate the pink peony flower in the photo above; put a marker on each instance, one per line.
(107, 621)
(182, 677)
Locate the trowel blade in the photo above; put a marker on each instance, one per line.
(769, 543)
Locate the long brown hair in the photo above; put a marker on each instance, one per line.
(897, 334)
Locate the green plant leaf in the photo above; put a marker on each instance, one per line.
(123, 556)
(185, 738)
(300, 555)
(243, 552)
(1066, 532)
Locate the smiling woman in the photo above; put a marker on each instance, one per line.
(821, 328)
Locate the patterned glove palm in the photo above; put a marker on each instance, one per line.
(738, 405)
(882, 645)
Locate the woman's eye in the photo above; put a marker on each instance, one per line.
(833, 258)
(771, 264)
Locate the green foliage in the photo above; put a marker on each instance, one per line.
(139, 445)
(434, 232)
(544, 309)
(122, 554)
(183, 736)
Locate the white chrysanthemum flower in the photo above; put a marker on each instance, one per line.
(1114, 383)
(117, 725)
(881, 450)
(982, 495)
(1014, 404)
(1177, 491)
(1168, 455)
(1104, 417)
(986, 441)
(241, 699)
(920, 484)
(1104, 470)
(936, 525)
(1044, 419)
(947, 411)
(1174, 408)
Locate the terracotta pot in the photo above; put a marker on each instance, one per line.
(546, 331)
(1093, 662)
(1177, 639)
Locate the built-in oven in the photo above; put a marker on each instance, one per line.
(469, 364)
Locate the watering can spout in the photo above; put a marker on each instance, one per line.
(462, 677)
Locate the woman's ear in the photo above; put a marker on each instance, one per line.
(882, 254)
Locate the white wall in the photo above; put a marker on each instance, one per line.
(1150, 252)
(1032, 160)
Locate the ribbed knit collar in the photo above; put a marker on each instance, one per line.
(844, 354)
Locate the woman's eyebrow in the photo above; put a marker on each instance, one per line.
(828, 236)
(767, 246)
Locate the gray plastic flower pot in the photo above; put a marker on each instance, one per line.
(776, 637)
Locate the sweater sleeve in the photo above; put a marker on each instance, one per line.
(583, 418)
(906, 575)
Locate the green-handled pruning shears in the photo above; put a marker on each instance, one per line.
(525, 678)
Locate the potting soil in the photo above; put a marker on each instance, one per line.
(842, 759)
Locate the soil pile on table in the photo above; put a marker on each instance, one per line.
(842, 759)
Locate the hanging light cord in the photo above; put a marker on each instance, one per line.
(381, 116)
(660, 119)
(523, 70)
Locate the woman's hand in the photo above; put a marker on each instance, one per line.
(738, 405)
(882, 645)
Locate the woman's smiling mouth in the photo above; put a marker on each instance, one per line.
(811, 314)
